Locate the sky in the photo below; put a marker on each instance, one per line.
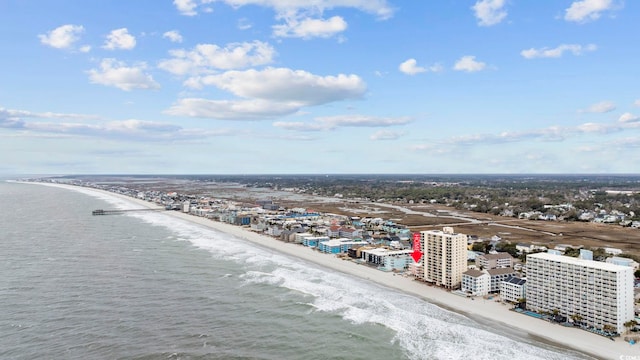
(319, 87)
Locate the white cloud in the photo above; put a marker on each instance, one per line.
(287, 8)
(628, 118)
(586, 10)
(601, 107)
(62, 37)
(469, 64)
(205, 58)
(16, 115)
(85, 48)
(489, 12)
(326, 123)
(594, 128)
(410, 67)
(269, 93)
(286, 85)
(117, 74)
(299, 126)
(636, 103)
(188, 7)
(362, 121)
(627, 122)
(120, 39)
(173, 36)
(385, 135)
(232, 110)
(557, 52)
(309, 28)
(131, 129)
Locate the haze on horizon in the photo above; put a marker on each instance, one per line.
(336, 87)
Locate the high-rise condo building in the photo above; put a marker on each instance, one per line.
(595, 293)
(445, 257)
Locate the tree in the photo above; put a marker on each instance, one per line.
(572, 252)
(577, 318)
(608, 328)
(630, 324)
(508, 248)
(481, 247)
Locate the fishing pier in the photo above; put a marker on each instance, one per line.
(118, 212)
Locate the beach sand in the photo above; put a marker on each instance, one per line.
(479, 309)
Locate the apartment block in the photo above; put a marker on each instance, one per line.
(493, 261)
(599, 293)
(475, 282)
(513, 289)
(497, 276)
(445, 257)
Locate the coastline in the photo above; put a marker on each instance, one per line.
(483, 311)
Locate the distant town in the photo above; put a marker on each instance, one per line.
(593, 289)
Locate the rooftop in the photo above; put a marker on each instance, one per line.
(501, 271)
(500, 255)
(473, 273)
(580, 262)
(516, 280)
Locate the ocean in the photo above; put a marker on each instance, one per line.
(149, 286)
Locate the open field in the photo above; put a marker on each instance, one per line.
(548, 233)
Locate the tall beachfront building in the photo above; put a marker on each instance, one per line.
(596, 293)
(445, 257)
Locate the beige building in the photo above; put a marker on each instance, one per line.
(493, 261)
(445, 257)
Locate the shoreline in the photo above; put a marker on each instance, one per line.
(485, 312)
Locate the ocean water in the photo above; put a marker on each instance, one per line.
(148, 286)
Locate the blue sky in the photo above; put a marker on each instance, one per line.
(319, 86)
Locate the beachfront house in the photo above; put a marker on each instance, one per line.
(499, 275)
(299, 237)
(338, 246)
(313, 241)
(475, 282)
(387, 259)
(513, 289)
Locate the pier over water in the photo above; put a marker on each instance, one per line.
(118, 212)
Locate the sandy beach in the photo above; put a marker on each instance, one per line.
(482, 310)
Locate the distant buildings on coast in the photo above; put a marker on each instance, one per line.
(594, 295)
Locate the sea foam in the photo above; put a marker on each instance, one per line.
(425, 330)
